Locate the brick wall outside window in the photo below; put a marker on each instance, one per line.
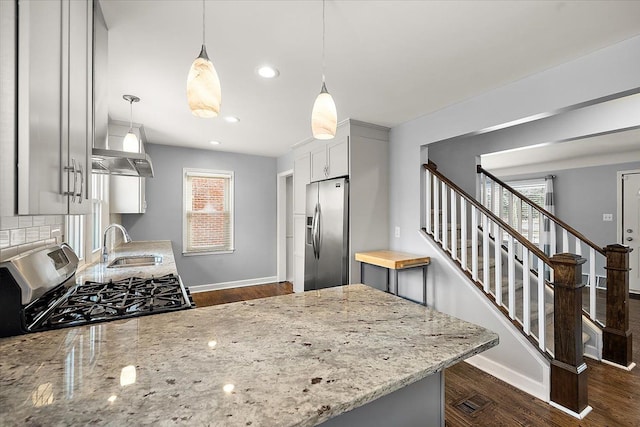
(208, 211)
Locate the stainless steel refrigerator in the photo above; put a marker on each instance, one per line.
(326, 251)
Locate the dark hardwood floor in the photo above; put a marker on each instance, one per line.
(203, 299)
(614, 393)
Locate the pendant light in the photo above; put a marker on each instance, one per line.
(131, 142)
(324, 117)
(203, 84)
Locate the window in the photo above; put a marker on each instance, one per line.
(207, 212)
(74, 232)
(535, 190)
(98, 204)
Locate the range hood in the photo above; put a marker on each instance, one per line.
(109, 158)
(117, 162)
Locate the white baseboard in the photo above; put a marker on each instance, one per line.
(579, 416)
(626, 368)
(234, 284)
(516, 379)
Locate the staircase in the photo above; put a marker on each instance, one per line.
(541, 294)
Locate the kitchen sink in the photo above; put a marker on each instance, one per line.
(135, 261)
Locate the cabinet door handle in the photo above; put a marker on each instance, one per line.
(81, 172)
(72, 168)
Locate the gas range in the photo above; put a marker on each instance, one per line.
(38, 293)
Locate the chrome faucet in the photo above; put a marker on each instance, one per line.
(125, 235)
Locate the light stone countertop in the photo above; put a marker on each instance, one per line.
(292, 360)
(99, 272)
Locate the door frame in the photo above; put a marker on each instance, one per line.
(619, 212)
(281, 225)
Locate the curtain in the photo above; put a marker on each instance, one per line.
(548, 235)
(548, 239)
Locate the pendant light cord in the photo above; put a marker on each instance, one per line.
(203, 14)
(131, 115)
(323, 61)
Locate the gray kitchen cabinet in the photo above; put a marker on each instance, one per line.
(55, 119)
(127, 194)
(330, 159)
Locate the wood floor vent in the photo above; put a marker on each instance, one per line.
(473, 404)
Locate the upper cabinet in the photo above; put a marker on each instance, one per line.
(330, 159)
(55, 106)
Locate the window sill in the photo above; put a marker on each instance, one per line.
(208, 253)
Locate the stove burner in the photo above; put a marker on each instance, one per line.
(96, 302)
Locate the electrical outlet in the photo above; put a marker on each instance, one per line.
(397, 232)
(607, 217)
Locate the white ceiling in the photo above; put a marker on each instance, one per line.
(387, 62)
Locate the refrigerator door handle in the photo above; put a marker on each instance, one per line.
(315, 231)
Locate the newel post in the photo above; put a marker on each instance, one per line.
(617, 342)
(568, 370)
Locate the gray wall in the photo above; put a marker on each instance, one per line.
(254, 215)
(607, 71)
(582, 195)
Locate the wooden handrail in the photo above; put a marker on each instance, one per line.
(543, 211)
(532, 248)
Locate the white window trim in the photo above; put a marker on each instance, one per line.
(209, 173)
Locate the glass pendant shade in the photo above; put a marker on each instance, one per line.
(130, 143)
(203, 87)
(324, 117)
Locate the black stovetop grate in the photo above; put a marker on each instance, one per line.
(96, 302)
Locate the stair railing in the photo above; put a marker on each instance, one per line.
(454, 218)
(608, 296)
(527, 217)
(448, 209)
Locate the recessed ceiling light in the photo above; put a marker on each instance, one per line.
(214, 142)
(231, 119)
(268, 72)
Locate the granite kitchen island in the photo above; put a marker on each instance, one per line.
(293, 360)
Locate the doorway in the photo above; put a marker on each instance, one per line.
(629, 223)
(284, 238)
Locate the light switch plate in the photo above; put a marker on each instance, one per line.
(607, 217)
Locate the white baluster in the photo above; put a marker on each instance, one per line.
(429, 202)
(497, 258)
(497, 203)
(592, 283)
(512, 276)
(578, 247)
(542, 320)
(488, 192)
(553, 238)
(485, 253)
(526, 289)
(483, 189)
(519, 228)
(474, 243)
(530, 225)
(463, 233)
(436, 209)
(445, 216)
(510, 205)
(454, 225)
(565, 241)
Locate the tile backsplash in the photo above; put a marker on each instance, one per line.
(19, 234)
